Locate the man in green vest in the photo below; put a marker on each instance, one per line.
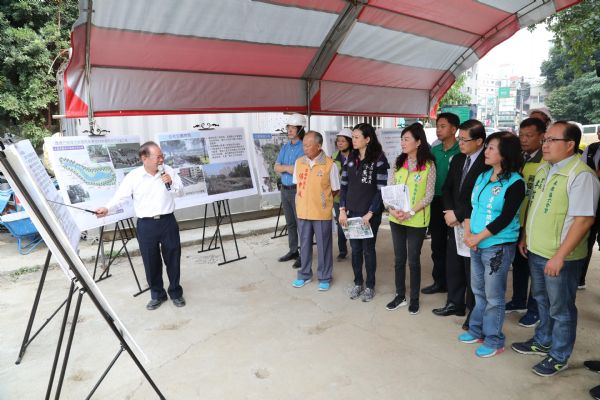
(561, 212)
(531, 133)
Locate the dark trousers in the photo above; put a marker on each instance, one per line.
(439, 241)
(458, 276)
(520, 278)
(341, 238)
(158, 237)
(288, 203)
(591, 244)
(365, 248)
(408, 242)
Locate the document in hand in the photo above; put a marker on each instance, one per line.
(357, 229)
(461, 247)
(396, 197)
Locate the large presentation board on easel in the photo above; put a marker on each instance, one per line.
(31, 183)
(266, 148)
(89, 171)
(212, 164)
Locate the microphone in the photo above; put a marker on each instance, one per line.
(161, 170)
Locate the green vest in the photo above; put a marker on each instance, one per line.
(548, 209)
(416, 182)
(528, 173)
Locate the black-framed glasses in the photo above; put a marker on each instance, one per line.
(464, 140)
(551, 140)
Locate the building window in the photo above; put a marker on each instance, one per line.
(353, 120)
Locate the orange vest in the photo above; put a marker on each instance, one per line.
(314, 200)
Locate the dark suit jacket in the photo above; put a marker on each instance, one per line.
(460, 200)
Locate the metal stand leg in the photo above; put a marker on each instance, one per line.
(227, 213)
(283, 231)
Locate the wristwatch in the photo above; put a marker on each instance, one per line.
(412, 213)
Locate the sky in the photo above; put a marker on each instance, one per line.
(521, 55)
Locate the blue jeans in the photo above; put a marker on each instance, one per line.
(366, 248)
(489, 272)
(555, 297)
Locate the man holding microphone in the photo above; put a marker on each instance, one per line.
(153, 187)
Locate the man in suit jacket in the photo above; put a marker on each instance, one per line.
(464, 169)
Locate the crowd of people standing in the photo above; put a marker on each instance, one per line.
(526, 201)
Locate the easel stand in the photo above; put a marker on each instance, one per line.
(279, 232)
(28, 338)
(78, 281)
(221, 211)
(124, 232)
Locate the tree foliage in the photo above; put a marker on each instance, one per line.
(574, 90)
(454, 96)
(578, 101)
(577, 34)
(33, 34)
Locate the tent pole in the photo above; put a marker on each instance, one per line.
(308, 102)
(88, 69)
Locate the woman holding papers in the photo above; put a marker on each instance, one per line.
(363, 175)
(491, 232)
(414, 172)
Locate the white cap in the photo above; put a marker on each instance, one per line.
(345, 132)
(296, 120)
(542, 110)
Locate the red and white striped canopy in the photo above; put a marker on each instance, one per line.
(335, 57)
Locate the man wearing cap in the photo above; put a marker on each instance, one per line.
(317, 179)
(343, 143)
(284, 166)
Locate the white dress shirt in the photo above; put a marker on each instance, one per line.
(150, 196)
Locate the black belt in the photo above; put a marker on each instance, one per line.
(157, 216)
(290, 187)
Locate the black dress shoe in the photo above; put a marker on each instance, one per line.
(289, 256)
(154, 304)
(341, 257)
(595, 392)
(592, 365)
(435, 288)
(180, 302)
(297, 264)
(448, 309)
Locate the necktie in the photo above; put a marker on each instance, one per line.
(465, 171)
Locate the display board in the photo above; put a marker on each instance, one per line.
(329, 138)
(89, 171)
(391, 143)
(266, 148)
(57, 227)
(213, 164)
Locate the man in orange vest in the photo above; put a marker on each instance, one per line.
(318, 180)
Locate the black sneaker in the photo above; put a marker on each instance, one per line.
(397, 302)
(531, 347)
(413, 308)
(549, 367)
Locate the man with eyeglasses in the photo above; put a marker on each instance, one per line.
(560, 215)
(464, 169)
(153, 187)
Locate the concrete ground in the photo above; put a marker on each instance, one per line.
(246, 333)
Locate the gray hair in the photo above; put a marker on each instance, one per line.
(318, 137)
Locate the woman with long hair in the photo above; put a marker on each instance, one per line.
(492, 232)
(343, 143)
(363, 176)
(415, 169)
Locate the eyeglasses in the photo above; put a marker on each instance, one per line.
(464, 140)
(550, 140)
